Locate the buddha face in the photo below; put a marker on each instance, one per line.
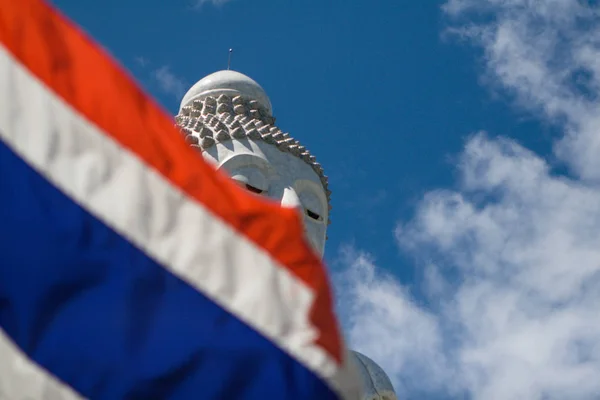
(264, 170)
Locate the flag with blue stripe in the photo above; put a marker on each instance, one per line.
(129, 268)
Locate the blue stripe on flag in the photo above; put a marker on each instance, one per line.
(99, 314)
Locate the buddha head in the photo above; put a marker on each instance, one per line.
(228, 117)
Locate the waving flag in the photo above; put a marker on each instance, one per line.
(129, 268)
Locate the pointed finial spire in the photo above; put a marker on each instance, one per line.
(229, 61)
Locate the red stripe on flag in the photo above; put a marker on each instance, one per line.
(77, 70)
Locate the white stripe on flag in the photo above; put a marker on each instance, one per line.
(179, 233)
(20, 379)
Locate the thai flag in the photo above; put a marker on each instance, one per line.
(129, 268)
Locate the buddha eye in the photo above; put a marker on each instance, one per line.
(253, 189)
(249, 187)
(313, 215)
(252, 180)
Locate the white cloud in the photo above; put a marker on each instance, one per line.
(383, 322)
(546, 54)
(524, 249)
(142, 61)
(200, 3)
(170, 83)
(511, 259)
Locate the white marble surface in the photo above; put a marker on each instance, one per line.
(281, 176)
(231, 83)
(376, 384)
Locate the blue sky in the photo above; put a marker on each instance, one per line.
(386, 102)
(460, 138)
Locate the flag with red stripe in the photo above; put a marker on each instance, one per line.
(129, 268)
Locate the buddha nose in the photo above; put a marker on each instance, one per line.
(290, 199)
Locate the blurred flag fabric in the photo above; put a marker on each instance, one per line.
(129, 268)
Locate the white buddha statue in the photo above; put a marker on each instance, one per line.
(229, 118)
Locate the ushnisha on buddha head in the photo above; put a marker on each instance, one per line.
(228, 117)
